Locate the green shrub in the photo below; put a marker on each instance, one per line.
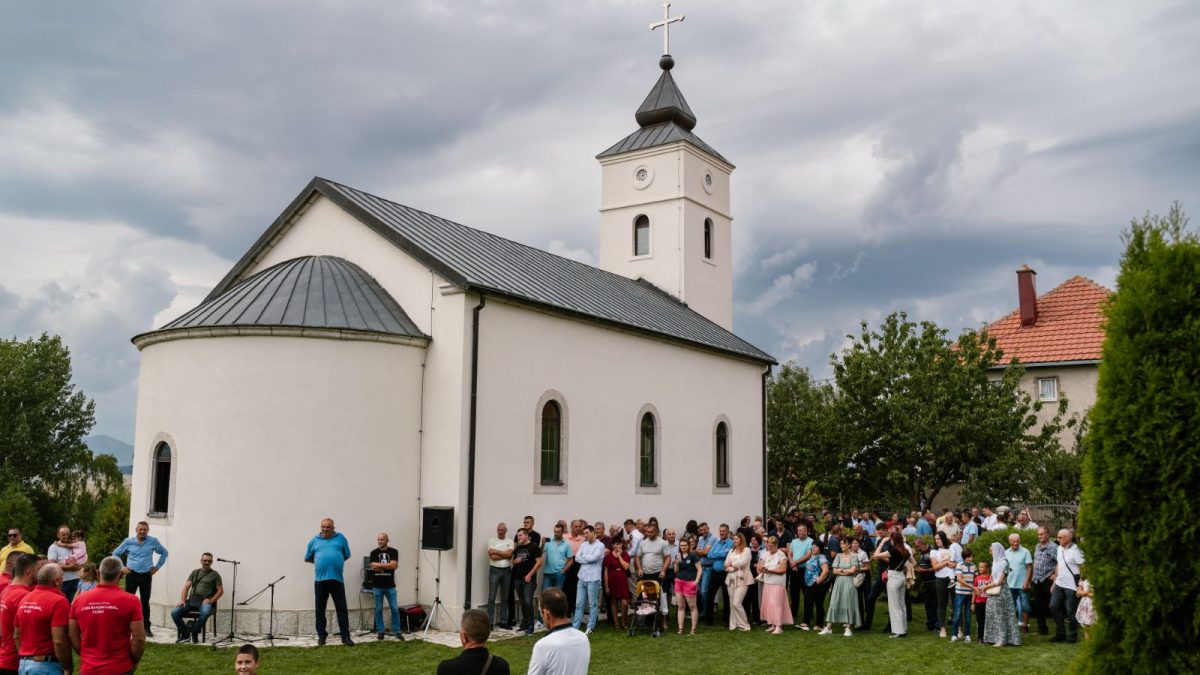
(979, 547)
(1139, 511)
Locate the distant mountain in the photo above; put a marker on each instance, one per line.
(107, 445)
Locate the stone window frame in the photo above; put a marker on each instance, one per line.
(727, 488)
(656, 487)
(564, 454)
(160, 440)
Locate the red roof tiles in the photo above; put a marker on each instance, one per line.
(1069, 325)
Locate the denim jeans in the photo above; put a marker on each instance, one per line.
(1063, 603)
(499, 583)
(390, 595)
(702, 597)
(588, 591)
(525, 597)
(962, 615)
(206, 610)
(553, 580)
(69, 588)
(1020, 602)
(43, 668)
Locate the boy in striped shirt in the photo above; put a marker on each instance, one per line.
(964, 591)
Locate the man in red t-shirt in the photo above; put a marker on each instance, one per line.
(40, 628)
(106, 625)
(25, 569)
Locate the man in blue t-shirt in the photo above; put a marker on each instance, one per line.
(717, 553)
(328, 552)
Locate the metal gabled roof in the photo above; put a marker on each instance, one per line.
(660, 134)
(473, 259)
(309, 292)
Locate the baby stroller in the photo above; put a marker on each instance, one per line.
(647, 596)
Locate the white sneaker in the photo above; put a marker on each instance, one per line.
(825, 631)
(847, 632)
(967, 640)
(954, 638)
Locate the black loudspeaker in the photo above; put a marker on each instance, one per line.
(437, 528)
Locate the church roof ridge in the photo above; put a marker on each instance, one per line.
(475, 259)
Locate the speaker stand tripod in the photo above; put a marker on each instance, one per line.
(233, 636)
(270, 636)
(437, 600)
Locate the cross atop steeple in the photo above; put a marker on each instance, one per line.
(666, 26)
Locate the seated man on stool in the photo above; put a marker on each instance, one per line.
(200, 593)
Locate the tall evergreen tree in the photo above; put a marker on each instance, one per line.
(1140, 517)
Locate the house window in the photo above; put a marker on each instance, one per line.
(641, 236)
(708, 238)
(160, 488)
(646, 452)
(551, 444)
(722, 455)
(1047, 388)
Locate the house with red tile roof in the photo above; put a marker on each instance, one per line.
(1058, 338)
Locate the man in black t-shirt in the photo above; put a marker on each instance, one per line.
(383, 584)
(526, 561)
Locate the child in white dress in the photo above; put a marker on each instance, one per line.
(1085, 614)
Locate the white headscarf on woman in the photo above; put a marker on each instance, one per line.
(999, 561)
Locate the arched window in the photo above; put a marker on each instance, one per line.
(641, 236)
(551, 444)
(646, 452)
(722, 453)
(708, 238)
(160, 489)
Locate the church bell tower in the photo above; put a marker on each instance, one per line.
(664, 204)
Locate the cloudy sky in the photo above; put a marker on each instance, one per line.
(891, 155)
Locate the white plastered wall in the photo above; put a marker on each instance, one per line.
(605, 378)
(269, 435)
(677, 201)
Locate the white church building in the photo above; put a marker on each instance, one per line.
(364, 360)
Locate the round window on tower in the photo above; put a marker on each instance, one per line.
(643, 176)
(708, 181)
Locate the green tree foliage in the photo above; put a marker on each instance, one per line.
(43, 421)
(111, 524)
(918, 413)
(801, 439)
(17, 511)
(1141, 469)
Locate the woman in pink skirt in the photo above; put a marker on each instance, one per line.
(772, 568)
(687, 572)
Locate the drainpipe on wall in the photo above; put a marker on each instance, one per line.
(471, 448)
(765, 511)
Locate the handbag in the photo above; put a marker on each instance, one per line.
(993, 591)
(860, 579)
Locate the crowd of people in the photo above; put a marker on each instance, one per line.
(815, 573)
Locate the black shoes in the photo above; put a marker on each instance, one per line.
(348, 642)
(400, 637)
(321, 641)
(379, 637)
(183, 637)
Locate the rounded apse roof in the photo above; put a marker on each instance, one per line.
(318, 296)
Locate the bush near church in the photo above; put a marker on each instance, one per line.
(1140, 512)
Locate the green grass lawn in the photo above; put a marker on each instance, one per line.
(712, 651)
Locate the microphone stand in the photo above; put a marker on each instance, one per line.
(233, 636)
(270, 636)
